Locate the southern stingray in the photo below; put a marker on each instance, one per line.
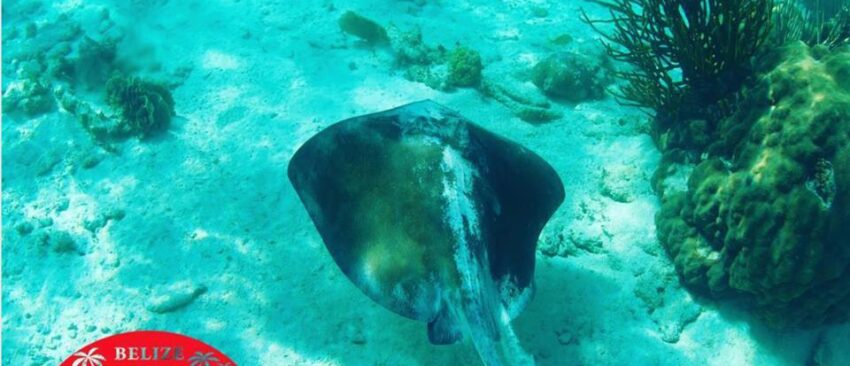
(433, 217)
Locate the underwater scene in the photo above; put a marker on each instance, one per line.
(427, 182)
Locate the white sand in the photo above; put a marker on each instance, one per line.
(209, 203)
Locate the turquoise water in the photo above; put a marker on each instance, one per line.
(145, 148)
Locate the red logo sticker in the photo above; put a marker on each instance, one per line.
(148, 348)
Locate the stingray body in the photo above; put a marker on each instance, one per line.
(432, 217)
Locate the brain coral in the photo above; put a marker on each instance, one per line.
(770, 222)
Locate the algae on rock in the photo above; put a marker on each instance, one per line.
(573, 76)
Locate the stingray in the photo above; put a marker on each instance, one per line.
(432, 217)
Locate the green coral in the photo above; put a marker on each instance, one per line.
(767, 220)
(573, 76)
(464, 67)
(434, 67)
(145, 107)
(364, 28)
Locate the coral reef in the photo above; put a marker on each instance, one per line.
(57, 62)
(764, 214)
(364, 28)
(145, 107)
(767, 220)
(573, 76)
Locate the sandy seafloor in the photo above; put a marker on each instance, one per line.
(208, 203)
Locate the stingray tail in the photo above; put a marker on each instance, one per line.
(487, 323)
(481, 312)
(477, 305)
